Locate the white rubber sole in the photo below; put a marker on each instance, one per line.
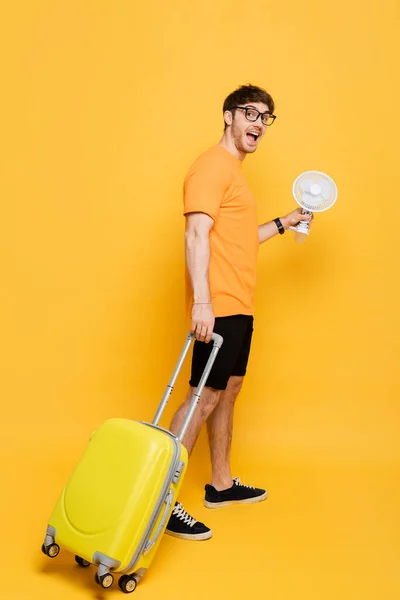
(231, 502)
(186, 536)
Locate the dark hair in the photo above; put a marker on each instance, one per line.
(248, 93)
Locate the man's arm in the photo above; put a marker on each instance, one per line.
(197, 250)
(270, 230)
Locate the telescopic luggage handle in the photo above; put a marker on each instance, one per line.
(217, 343)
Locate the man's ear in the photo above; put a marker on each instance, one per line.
(228, 118)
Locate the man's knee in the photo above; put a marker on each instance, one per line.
(208, 401)
(234, 386)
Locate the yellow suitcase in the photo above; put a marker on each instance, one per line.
(115, 507)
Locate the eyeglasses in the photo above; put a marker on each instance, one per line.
(252, 115)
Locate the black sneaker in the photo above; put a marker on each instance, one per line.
(237, 494)
(183, 526)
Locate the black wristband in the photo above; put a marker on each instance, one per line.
(279, 225)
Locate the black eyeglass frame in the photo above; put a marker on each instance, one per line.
(246, 108)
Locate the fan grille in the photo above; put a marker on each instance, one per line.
(303, 196)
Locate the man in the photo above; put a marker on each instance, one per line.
(222, 238)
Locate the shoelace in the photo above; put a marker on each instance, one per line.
(181, 513)
(236, 481)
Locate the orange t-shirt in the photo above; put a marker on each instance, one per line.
(215, 185)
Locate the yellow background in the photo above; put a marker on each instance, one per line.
(104, 105)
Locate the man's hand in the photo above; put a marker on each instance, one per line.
(202, 322)
(294, 218)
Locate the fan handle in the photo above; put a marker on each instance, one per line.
(301, 230)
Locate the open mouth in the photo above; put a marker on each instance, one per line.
(252, 136)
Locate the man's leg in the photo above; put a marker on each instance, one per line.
(181, 524)
(225, 490)
(219, 428)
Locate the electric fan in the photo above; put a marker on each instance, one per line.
(314, 192)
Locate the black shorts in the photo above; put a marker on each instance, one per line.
(232, 358)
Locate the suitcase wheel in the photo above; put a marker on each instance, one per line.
(82, 562)
(127, 584)
(52, 551)
(105, 580)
